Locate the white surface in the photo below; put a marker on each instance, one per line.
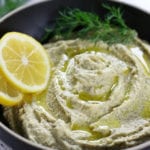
(142, 4)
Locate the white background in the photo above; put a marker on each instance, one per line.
(142, 4)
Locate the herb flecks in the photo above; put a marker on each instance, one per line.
(74, 23)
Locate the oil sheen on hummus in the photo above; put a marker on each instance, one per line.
(98, 97)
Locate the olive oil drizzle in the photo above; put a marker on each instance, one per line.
(85, 96)
(104, 97)
(71, 52)
(94, 134)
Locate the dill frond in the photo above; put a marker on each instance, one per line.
(74, 23)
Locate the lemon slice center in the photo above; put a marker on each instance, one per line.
(25, 60)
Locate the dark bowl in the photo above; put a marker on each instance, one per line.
(33, 19)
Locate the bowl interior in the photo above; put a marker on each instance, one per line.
(33, 19)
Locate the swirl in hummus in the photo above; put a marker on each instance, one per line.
(98, 97)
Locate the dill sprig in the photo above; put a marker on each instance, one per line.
(74, 23)
(8, 5)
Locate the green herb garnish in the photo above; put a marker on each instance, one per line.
(8, 5)
(74, 23)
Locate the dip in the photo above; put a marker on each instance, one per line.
(98, 97)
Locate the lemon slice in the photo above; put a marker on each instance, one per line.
(24, 62)
(8, 95)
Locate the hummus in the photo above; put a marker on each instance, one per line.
(98, 97)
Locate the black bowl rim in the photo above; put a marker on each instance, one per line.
(36, 145)
(25, 140)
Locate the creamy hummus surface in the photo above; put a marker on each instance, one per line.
(98, 97)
